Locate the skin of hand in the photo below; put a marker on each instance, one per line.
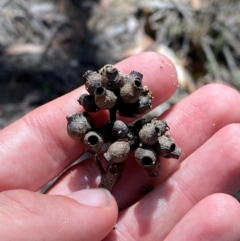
(191, 199)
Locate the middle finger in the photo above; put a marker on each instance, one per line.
(192, 122)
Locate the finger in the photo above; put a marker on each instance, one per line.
(86, 215)
(37, 148)
(192, 121)
(214, 218)
(213, 168)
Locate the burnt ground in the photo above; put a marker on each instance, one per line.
(46, 46)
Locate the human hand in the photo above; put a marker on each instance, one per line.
(183, 205)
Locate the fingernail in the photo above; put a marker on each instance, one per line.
(92, 197)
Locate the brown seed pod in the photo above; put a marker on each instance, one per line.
(119, 129)
(149, 134)
(132, 88)
(114, 79)
(144, 103)
(117, 152)
(92, 81)
(104, 99)
(88, 103)
(93, 141)
(134, 75)
(78, 125)
(166, 145)
(161, 125)
(175, 154)
(147, 158)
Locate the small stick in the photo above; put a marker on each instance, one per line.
(99, 165)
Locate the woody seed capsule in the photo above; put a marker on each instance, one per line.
(145, 156)
(144, 103)
(148, 159)
(93, 141)
(166, 145)
(88, 103)
(119, 129)
(105, 99)
(149, 134)
(132, 88)
(175, 153)
(161, 125)
(78, 125)
(92, 81)
(114, 79)
(117, 152)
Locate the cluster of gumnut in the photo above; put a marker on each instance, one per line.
(125, 95)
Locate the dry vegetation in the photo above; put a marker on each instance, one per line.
(45, 46)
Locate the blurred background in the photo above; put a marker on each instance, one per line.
(46, 46)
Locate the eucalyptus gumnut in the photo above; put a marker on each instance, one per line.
(132, 88)
(145, 156)
(105, 99)
(161, 125)
(143, 103)
(93, 141)
(166, 145)
(117, 152)
(78, 125)
(176, 153)
(119, 129)
(92, 81)
(88, 103)
(149, 134)
(114, 79)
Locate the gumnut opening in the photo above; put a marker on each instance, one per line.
(105, 99)
(149, 134)
(132, 89)
(166, 145)
(93, 141)
(145, 156)
(161, 125)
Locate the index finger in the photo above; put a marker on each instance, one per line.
(36, 148)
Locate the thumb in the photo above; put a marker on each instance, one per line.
(85, 215)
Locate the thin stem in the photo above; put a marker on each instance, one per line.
(99, 164)
(113, 113)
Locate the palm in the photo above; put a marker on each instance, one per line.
(202, 125)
